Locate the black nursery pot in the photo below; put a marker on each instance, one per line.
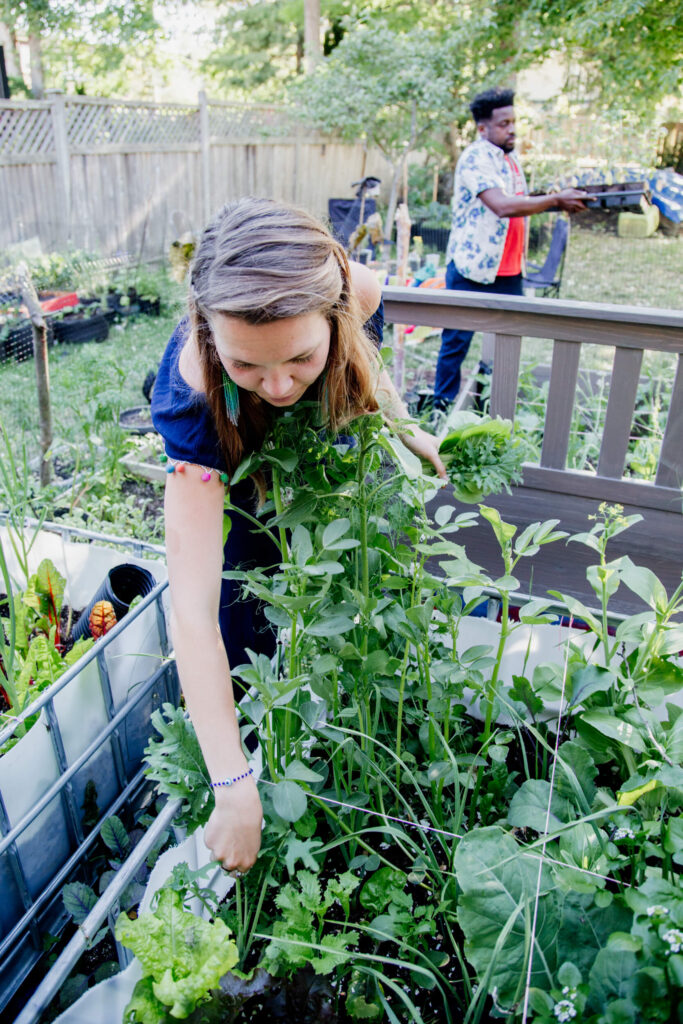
(121, 586)
(150, 307)
(76, 328)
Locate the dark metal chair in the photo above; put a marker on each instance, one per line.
(545, 280)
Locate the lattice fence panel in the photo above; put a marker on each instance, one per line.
(26, 131)
(95, 124)
(240, 121)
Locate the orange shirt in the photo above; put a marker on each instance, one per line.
(511, 261)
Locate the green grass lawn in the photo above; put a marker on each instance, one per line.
(602, 267)
(89, 383)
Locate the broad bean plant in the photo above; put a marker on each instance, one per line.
(444, 840)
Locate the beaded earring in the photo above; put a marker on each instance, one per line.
(232, 399)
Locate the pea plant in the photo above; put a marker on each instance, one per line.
(438, 830)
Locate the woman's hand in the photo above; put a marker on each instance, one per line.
(425, 445)
(233, 832)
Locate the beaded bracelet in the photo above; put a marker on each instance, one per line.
(231, 782)
(175, 466)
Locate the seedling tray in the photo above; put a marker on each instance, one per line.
(620, 195)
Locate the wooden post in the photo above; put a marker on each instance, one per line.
(58, 112)
(30, 300)
(205, 155)
(402, 248)
(312, 47)
(298, 163)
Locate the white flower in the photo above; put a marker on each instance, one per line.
(657, 910)
(564, 1010)
(675, 939)
(571, 993)
(623, 833)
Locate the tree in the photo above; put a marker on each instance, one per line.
(260, 47)
(391, 90)
(625, 54)
(32, 18)
(262, 43)
(312, 49)
(82, 40)
(111, 52)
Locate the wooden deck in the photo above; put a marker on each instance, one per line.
(550, 489)
(656, 542)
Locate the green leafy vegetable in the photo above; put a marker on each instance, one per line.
(184, 956)
(177, 765)
(481, 455)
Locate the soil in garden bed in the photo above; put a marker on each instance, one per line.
(307, 998)
(149, 497)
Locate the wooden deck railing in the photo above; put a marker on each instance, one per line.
(630, 330)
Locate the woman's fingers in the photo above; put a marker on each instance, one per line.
(233, 832)
(426, 446)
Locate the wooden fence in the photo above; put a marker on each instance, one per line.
(107, 175)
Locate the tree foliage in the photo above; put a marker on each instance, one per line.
(626, 54)
(96, 46)
(405, 82)
(260, 46)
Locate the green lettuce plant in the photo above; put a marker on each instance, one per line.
(182, 958)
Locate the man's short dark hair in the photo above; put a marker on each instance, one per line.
(483, 105)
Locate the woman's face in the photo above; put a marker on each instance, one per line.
(277, 361)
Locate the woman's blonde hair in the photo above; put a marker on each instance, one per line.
(261, 261)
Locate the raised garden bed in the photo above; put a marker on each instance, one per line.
(79, 750)
(448, 805)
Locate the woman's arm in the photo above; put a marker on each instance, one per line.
(414, 437)
(366, 288)
(194, 552)
(368, 292)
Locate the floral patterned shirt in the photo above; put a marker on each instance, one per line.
(477, 237)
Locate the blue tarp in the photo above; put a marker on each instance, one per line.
(667, 194)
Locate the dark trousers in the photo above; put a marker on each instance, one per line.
(454, 344)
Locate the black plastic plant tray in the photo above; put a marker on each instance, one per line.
(619, 195)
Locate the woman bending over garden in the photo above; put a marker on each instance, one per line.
(276, 315)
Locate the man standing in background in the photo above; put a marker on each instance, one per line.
(487, 240)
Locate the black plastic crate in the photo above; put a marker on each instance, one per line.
(619, 195)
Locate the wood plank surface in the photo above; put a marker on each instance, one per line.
(596, 323)
(563, 375)
(628, 491)
(655, 542)
(670, 469)
(620, 405)
(505, 381)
